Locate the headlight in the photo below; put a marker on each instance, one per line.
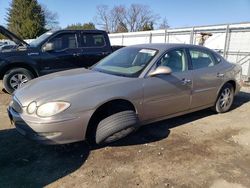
(31, 108)
(51, 108)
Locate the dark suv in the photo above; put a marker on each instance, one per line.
(53, 51)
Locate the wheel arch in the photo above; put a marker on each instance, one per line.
(231, 81)
(18, 65)
(102, 110)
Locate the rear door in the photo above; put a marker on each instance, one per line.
(207, 77)
(64, 56)
(94, 47)
(168, 94)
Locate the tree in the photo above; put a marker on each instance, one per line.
(51, 18)
(164, 24)
(26, 18)
(89, 26)
(123, 19)
(2, 37)
(103, 17)
(148, 26)
(121, 28)
(79, 26)
(138, 16)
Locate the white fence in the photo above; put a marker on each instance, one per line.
(232, 40)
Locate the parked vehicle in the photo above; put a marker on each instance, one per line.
(3, 43)
(7, 47)
(51, 52)
(133, 86)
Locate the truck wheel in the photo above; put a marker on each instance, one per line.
(15, 78)
(225, 99)
(116, 126)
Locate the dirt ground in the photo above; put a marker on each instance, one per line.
(201, 149)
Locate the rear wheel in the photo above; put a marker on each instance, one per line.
(15, 78)
(116, 126)
(225, 99)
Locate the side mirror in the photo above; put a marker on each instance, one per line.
(48, 47)
(161, 70)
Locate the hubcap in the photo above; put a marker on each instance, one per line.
(226, 99)
(18, 80)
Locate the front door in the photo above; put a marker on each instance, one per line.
(168, 94)
(64, 56)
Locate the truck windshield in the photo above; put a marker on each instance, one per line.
(128, 62)
(40, 39)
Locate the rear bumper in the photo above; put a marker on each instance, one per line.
(238, 86)
(59, 132)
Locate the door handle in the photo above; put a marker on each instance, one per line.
(76, 54)
(220, 75)
(105, 53)
(186, 81)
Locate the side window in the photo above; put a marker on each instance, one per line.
(201, 59)
(64, 41)
(93, 40)
(176, 60)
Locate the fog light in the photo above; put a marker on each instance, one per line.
(49, 134)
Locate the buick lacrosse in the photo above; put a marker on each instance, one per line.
(134, 86)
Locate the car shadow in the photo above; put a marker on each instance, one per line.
(161, 130)
(240, 99)
(24, 163)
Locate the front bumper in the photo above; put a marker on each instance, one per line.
(54, 132)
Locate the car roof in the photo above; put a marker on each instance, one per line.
(82, 30)
(166, 46)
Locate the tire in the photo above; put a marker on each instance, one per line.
(115, 127)
(15, 78)
(225, 99)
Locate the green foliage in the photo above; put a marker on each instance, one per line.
(85, 26)
(26, 18)
(148, 26)
(2, 37)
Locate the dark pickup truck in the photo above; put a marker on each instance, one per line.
(53, 51)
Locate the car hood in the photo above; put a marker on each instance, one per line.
(12, 37)
(61, 85)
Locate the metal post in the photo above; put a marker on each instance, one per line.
(226, 42)
(122, 39)
(165, 36)
(191, 36)
(150, 38)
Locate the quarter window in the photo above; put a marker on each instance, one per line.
(176, 60)
(201, 59)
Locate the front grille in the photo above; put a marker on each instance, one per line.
(16, 105)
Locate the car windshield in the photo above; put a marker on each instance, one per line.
(40, 39)
(128, 62)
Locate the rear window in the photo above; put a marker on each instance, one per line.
(201, 59)
(93, 40)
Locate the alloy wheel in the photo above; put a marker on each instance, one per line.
(17, 80)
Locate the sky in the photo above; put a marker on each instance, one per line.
(179, 13)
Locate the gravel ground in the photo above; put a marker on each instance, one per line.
(201, 149)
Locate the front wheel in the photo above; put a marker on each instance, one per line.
(116, 126)
(225, 99)
(15, 78)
